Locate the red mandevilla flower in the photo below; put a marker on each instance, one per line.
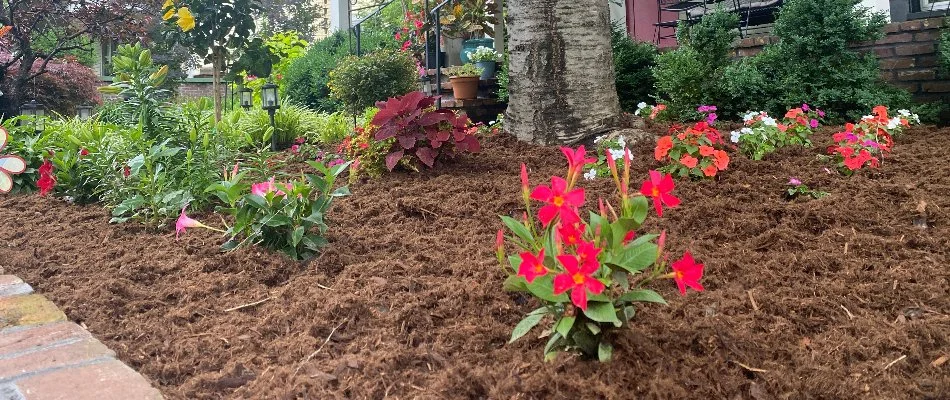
(576, 159)
(560, 202)
(659, 187)
(687, 273)
(532, 266)
(570, 234)
(578, 279)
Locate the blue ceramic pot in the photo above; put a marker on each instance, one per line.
(471, 44)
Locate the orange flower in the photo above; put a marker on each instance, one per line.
(688, 160)
(710, 170)
(793, 113)
(663, 147)
(706, 151)
(722, 160)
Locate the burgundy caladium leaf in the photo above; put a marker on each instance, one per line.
(421, 131)
(393, 158)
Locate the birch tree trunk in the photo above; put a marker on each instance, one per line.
(562, 87)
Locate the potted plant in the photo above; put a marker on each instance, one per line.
(464, 79)
(484, 58)
(471, 20)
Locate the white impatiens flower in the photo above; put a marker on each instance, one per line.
(750, 116)
(867, 117)
(616, 154)
(894, 123)
(640, 107)
(621, 141)
(769, 121)
(903, 112)
(590, 175)
(600, 139)
(746, 131)
(735, 136)
(909, 116)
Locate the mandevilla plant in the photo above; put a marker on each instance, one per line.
(692, 152)
(763, 134)
(279, 216)
(868, 142)
(422, 133)
(796, 188)
(589, 276)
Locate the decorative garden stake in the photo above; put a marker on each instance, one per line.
(9, 165)
(270, 101)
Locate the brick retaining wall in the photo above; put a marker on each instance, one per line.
(907, 55)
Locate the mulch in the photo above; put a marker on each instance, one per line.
(845, 297)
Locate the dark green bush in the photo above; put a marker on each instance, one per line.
(812, 61)
(633, 62)
(359, 82)
(944, 51)
(307, 77)
(692, 74)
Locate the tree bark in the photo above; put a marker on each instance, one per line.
(217, 65)
(562, 87)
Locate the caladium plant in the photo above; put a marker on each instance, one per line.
(589, 276)
(422, 132)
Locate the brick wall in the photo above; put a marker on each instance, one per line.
(907, 55)
(196, 89)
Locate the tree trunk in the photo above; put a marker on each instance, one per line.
(562, 87)
(217, 63)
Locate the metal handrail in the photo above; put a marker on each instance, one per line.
(357, 30)
(435, 13)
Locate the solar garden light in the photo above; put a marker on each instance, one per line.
(37, 113)
(247, 97)
(84, 112)
(271, 102)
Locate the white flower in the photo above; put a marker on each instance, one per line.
(600, 139)
(622, 141)
(590, 175)
(640, 107)
(769, 121)
(750, 116)
(616, 154)
(903, 112)
(735, 136)
(491, 123)
(746, 131)
(867, 117)
(893, 123)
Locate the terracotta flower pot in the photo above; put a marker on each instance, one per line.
(464, 87)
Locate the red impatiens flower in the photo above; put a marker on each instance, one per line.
(706, 151)
(83, 152)
(710, 170)
(560, 202)
(663, 146)
(688, 160)
(578, 280)
(722, 159)
(686, 272)
(576, 159)
(659, 187)
(47, 180)
(532, 266)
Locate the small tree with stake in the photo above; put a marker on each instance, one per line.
(214, 29)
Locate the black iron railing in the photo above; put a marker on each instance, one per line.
(357, 27)
(437, 24)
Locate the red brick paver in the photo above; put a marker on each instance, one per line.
(44, 356)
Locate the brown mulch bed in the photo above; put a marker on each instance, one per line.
(846, 297)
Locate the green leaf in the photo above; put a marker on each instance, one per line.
(644, 295)
(593, 328)
(515, 261)
(636, 258)
(564, 325)
(275, 220)
(543, 288)
(602, 312)
(515, 283)
(525, 326)
(297, 235)
(639, 205)
(604, 351)
(518, 229)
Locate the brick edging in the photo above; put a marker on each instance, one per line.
(43, 355)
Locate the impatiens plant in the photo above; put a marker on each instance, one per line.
(649, 112)
(288, 217)
(422, 132)
(589, 274)
(607, 147)
(692, 151)
(869, 141)
(762, 134)
(796, 188)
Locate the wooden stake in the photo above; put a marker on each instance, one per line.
(248, 305)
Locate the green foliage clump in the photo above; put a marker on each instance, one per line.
(359, 82)
(291, 121)
(305, 81)
(633, 62)
(943, 52)
(692, 74)
(503, 73)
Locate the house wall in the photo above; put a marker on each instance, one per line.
(641, 17)
(907, 55)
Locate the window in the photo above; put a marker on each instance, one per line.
(934, 5)
(107, 48)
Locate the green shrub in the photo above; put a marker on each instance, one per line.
(633, 62)
(291, 121)
(692, 74)
(307, 76)
(333, 128)
(503, 79)
(359, 82)
(813, 64)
